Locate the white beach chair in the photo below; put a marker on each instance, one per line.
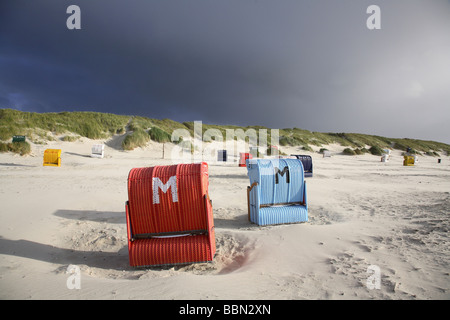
(98, 151)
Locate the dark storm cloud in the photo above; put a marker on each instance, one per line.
(307, 64)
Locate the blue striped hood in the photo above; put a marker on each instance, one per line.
(281, 180)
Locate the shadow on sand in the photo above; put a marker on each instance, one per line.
(96, 259)
(16, 165)
(78, 154)
(48, 253)
(96, 216)
(53, 254)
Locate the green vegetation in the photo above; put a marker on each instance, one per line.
(361, 151)
(93, 125)
(41, 127)
(432, 154)
(143, 130)
(159, 135)
(21, 148)
(70, 138)
(376, 151)
(349, 152)
(139, 123)
(138, 138)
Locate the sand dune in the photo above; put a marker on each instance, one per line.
(363, 215)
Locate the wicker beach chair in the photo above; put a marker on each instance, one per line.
(307, 164)
(277, 191)
(52, 157)
(408, 160)
(243, 157)
(169, 215)
(98, 151)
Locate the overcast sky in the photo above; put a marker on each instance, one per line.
(309, 64)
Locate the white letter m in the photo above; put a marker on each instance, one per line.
(171, 183)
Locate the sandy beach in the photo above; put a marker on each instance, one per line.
(365, 216)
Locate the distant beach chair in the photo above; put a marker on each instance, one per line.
(98, 151)
(254, 152)
(307, 164)
(222, 155)
(243, 157)
(326, 154)
(277, 191)
(18, 139)
(52, 157)
(169, 215)
(386, 155)
(408, 160)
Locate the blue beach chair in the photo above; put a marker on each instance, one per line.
(307, 164)
(277, 191)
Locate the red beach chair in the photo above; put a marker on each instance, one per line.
(243, 158)
(169, 215)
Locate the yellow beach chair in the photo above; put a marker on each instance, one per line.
(408, 160)
(52, 157)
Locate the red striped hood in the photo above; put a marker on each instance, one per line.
(168, 199)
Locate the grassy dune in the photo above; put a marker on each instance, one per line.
(92, 125)
(41, 127)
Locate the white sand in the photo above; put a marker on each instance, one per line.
(362, 214)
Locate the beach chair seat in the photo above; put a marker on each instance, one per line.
(282, 214)
(169, 215)
(277, 191)
(52, 157)
(307, 164)
(170, 250)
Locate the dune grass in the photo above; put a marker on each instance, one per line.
(159, 135)
(349, 152)
(21, 147)
(70, 138)
(93, 125)
(142, 130)
(138, 138)
(139, 130)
